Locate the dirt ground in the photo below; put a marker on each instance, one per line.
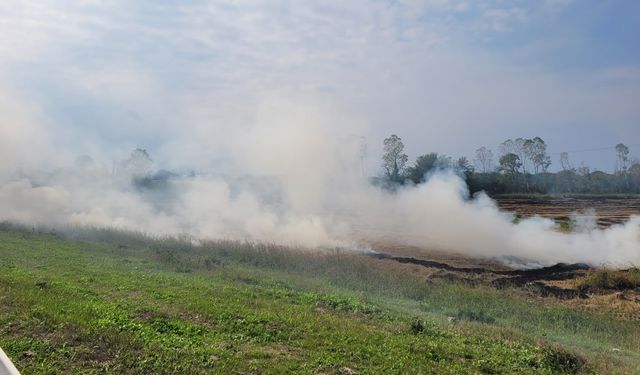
(608, 210)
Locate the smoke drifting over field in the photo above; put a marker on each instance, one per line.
(291, 174)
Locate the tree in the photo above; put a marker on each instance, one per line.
(634, 175)
(520, 151)
(484, 159)
(423, 165)
(510, 163)
(565, 181)
(622, 157)
(463, 168)
(139, 163)
(508, 147)
(536, 150)
(565, 164)
(444, 162)
(516, 147)
(394, 159)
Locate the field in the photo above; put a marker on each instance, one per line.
(608, 209)
(99, 301)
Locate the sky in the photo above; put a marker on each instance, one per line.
(448, 76)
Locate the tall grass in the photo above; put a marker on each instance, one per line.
(375, 278)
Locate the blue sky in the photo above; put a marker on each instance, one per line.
(446, 75)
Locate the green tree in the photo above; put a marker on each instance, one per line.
(634, 176)
(565, 163)
(463, 168)
(423, 165)
(394, 159)
(536, 151)
(622, 157)
(510, 164)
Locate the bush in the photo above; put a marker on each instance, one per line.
(561, 361)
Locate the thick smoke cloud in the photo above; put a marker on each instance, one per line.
(293, 175)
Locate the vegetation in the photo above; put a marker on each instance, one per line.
(522, 168)
(105, 301)
(611, 279)
(394, 159)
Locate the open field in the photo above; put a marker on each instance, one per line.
(97, 301)
(608, 209)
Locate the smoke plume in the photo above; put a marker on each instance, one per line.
(290, 173)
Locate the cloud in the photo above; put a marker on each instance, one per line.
(124, 74)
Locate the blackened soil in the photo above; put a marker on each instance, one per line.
(532, 280)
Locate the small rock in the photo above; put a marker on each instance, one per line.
(347, 371)
(29, 353)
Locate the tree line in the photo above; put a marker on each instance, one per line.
(522, 167)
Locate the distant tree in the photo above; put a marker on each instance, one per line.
(510, 163)
(565, 164)
(484, 159)
(521, 152)
(444, 162)
(634, 176)
(508, 147)
(536, 151)
(423, 165)
(139, 163)
(622, 157)
(394, 159)
(566, 181)
(516, 147)
(463, 168)
(601, 182)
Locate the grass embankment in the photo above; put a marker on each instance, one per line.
(123, 303)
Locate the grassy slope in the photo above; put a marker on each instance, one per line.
(126, 304)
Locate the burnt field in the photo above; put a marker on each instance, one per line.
(608, 210)
(585, 286)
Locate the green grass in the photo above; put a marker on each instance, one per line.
(113, 302)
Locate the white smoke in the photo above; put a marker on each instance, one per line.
(297, 181)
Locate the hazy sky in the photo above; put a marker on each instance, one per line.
(445, 75)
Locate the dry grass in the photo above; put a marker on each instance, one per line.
(611, 279)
